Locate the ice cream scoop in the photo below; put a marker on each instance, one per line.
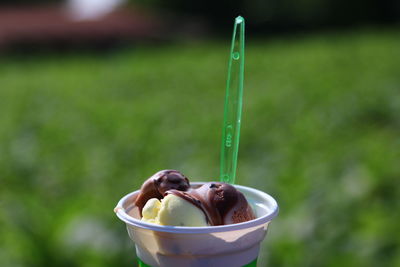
(158, 184)
(166, 198)
(173, 210)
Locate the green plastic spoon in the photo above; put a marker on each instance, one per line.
(233, 105)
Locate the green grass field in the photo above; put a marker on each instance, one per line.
(320, 132)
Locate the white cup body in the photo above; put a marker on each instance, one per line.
(227, 245)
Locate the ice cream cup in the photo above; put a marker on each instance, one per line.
(226, 245)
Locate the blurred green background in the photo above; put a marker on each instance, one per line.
(320, 133)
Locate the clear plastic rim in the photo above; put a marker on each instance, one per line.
(120, 211)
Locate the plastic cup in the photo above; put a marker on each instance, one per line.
(226, 245)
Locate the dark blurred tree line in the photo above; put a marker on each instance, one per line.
(274, 14)
(289, 14)
(29, 2)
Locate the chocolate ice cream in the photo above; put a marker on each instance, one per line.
(158, 184)
(221, 203)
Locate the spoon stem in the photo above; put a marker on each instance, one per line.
(233, 105)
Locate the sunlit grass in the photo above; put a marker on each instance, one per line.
(320, 132)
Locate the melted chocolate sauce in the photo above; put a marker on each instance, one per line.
(221, 203)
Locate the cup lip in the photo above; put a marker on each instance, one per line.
(120, 212)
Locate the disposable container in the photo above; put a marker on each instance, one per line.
(233, 245)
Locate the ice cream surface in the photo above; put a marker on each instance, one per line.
(158, 184)
(167, 198)
(173, 210)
